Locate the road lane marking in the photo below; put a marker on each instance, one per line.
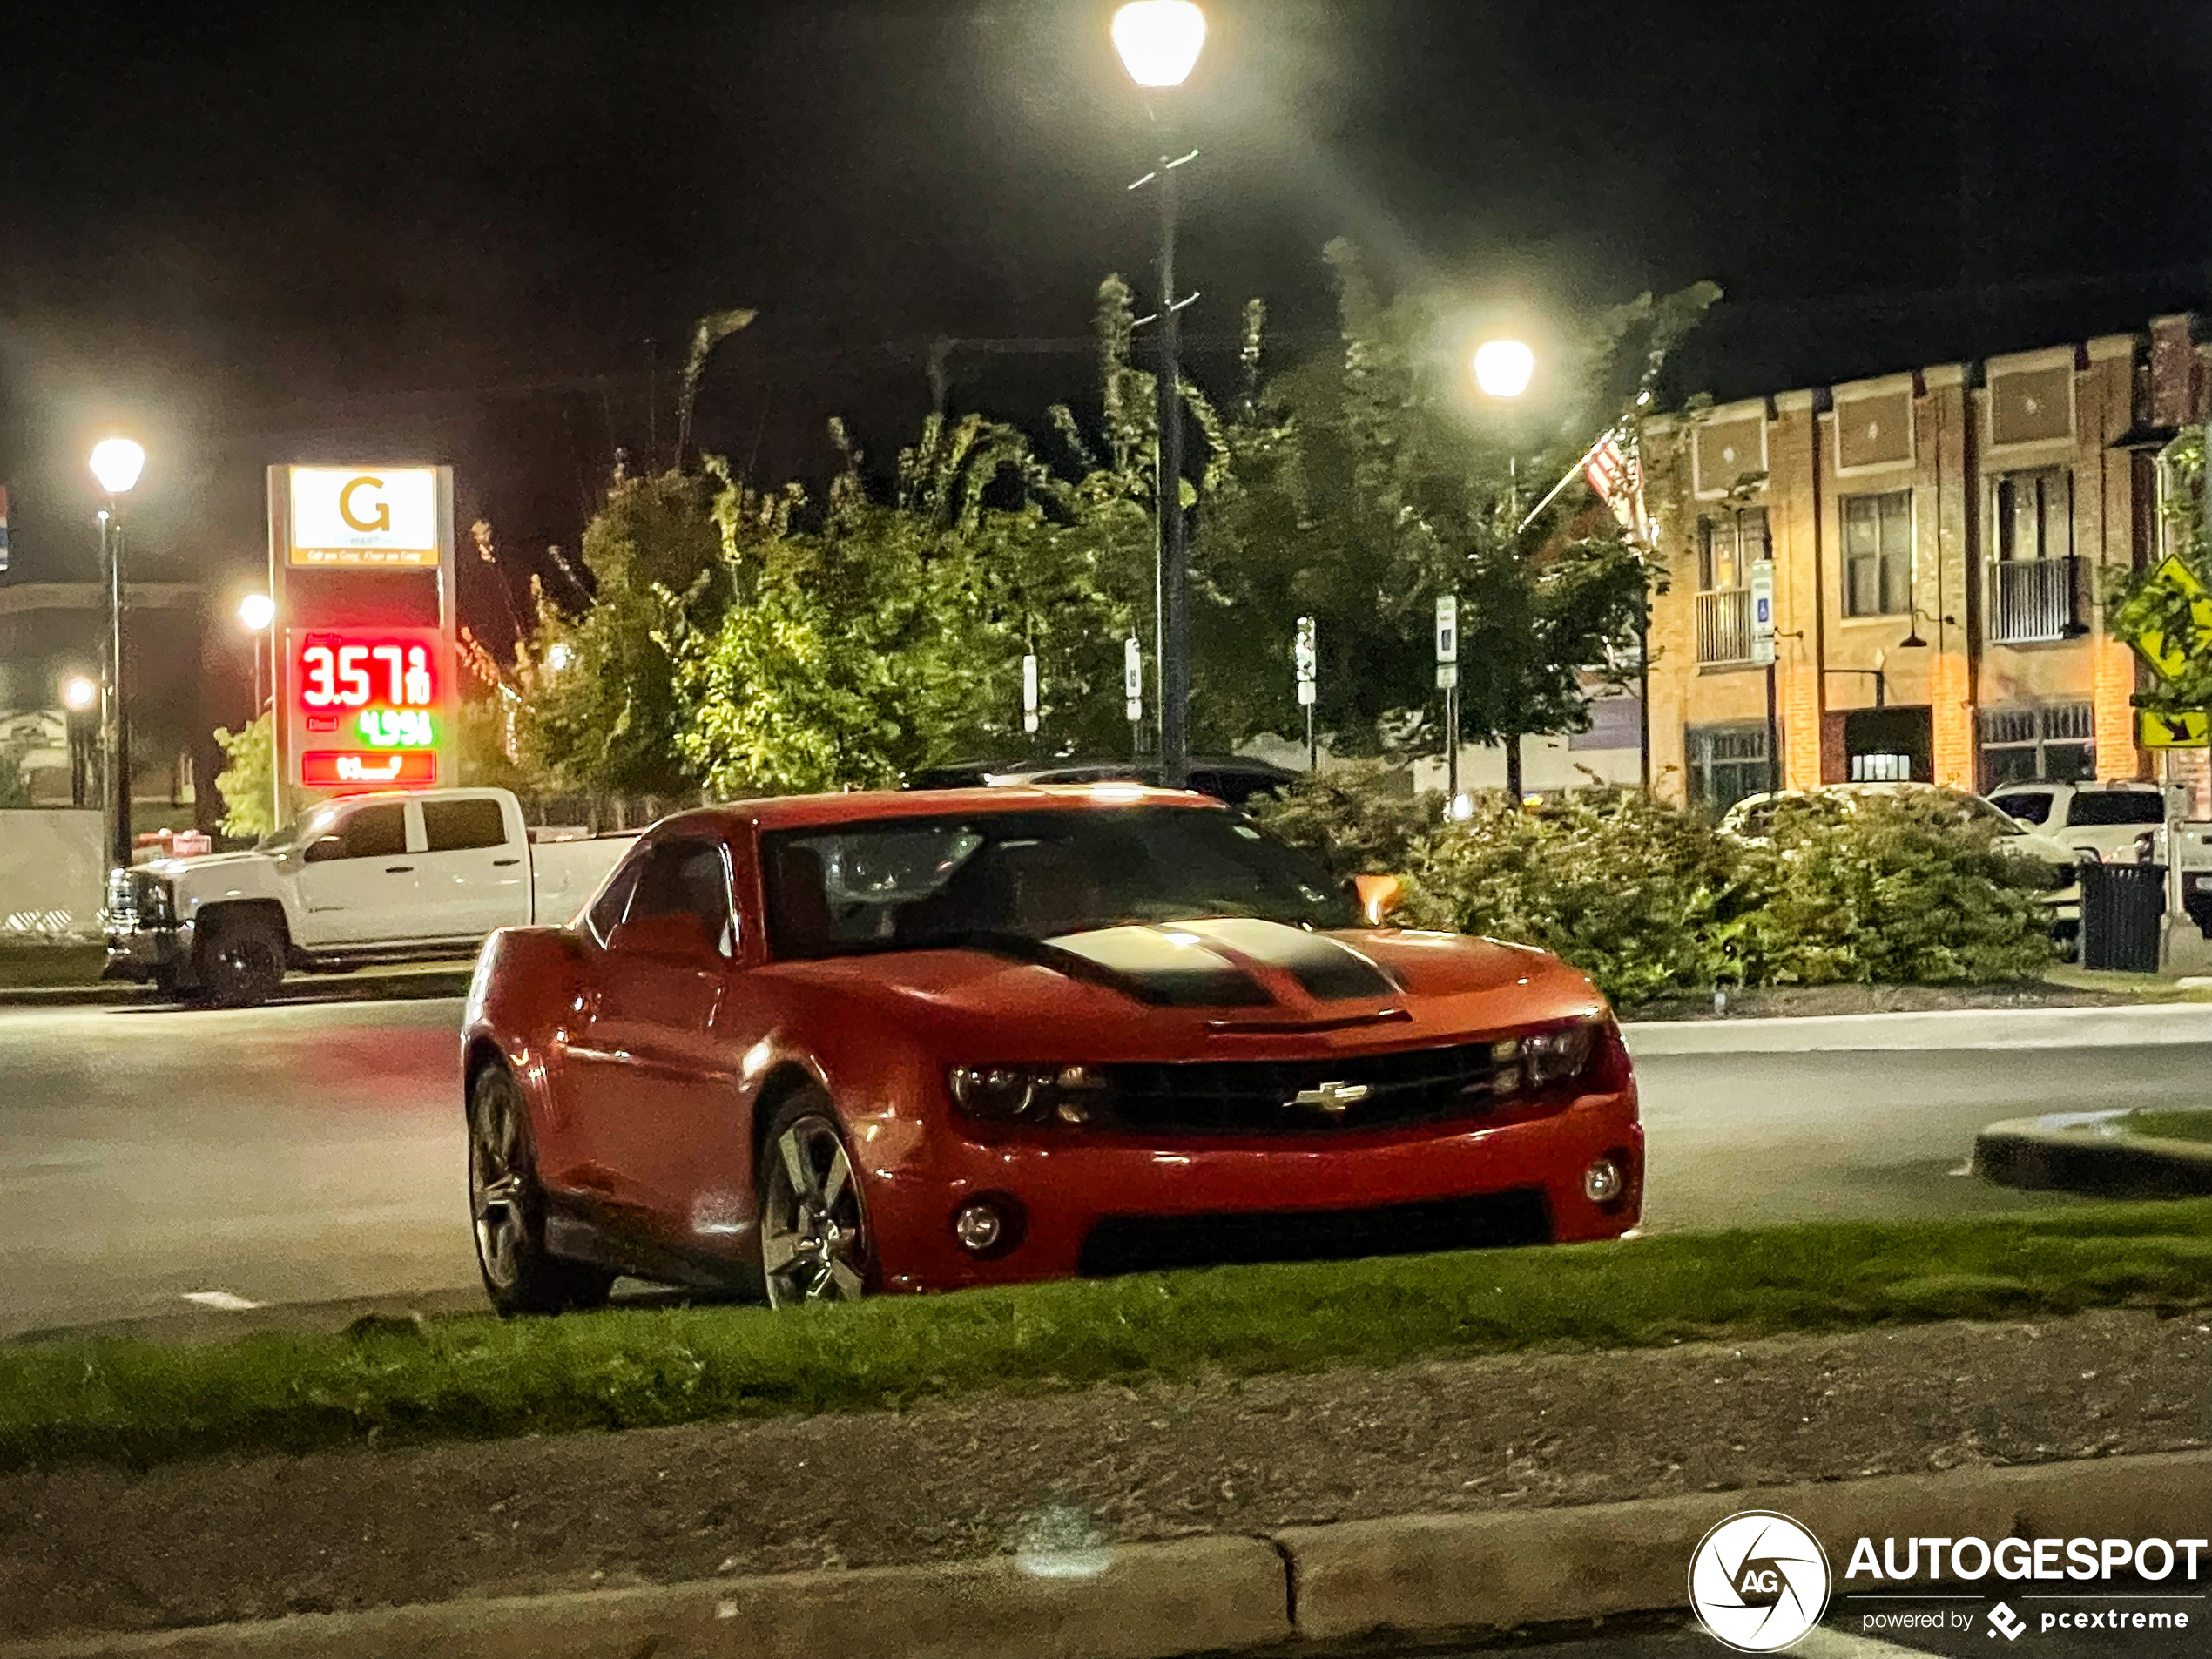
(222, 1301)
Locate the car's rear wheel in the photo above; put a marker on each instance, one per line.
(241, 961)
(507, 1209)
(815, 1242)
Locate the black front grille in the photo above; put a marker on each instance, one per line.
(1147, 1243)
(1261, 1096)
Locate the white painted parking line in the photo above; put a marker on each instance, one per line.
(222, 1301)
(2151, 1024)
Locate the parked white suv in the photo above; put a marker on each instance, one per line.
(366, 878)
(2102, 822)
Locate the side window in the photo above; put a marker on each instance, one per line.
(461, 826)
(2029, 806)
(368, 833)
(679, 877)
(605, 913)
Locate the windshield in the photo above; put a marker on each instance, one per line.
(910, 884)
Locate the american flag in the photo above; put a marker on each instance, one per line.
(1617, 480)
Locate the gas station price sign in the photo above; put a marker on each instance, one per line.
(367, 707)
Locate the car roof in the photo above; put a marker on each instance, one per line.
(856, 807)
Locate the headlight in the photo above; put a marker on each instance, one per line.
(1026, 1094)
(1540, 1059)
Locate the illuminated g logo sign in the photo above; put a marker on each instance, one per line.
(383, 519)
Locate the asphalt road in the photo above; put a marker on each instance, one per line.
(313, 1154)
(1844, 1634)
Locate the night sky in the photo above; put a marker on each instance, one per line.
(456, 232)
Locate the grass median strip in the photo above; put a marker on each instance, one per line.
(136, 1403)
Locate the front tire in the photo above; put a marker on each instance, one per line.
(241, 961)
(816, 1244)
(506, 1209)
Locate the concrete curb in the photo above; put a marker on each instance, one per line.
(371, 986)
(1419, 1574)
(2151, 1024)
(1141, 1601)
(1438, 1574)
(2075, 1151)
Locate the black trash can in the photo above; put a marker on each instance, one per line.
(2122, 907)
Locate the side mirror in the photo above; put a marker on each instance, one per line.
(678, 933)
(329, 846)
(1378, 896)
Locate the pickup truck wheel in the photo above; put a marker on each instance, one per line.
(241, 962)
(815, 1242)
(508, 1207)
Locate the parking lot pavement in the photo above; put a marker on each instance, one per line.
(1843, 1637)
(165, 1166)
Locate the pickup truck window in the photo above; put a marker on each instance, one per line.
(2029, 806)
(462, 825)
(368, 833)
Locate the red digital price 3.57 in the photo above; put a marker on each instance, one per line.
(367, 707)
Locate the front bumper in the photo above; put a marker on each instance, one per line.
(149, 956)
(1078, 1204)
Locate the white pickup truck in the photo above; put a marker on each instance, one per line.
(367, 878)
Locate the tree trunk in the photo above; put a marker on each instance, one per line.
(1512, 767)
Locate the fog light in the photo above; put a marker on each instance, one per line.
(978, 1226)
(1601, 1182)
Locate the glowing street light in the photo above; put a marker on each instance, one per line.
(117, 464)
(558, 656)
(1503, 368)
(256, 612)
(79, 692)
(1159, 41)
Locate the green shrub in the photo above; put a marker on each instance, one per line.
(1897, 890)
(1642, 897)
(1650, 899)
(1354, 820)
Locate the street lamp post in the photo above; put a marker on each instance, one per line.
(1502, 369)
(1159, 41)
(256, 612)
(116, 463)
(81, 698)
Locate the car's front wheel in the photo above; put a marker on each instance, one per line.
(507, 1208)
(241, 961)
(815, 1242)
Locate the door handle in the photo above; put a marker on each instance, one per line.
(398, 869)
(501, 864)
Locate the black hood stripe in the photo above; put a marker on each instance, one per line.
(1328, 970)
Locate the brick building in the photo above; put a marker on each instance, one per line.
(1939, 537)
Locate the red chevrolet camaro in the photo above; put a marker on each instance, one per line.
(819, 1048)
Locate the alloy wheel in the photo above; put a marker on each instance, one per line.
(496, 1180)
(814, 1228)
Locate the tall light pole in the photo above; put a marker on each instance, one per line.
(256, 612)
(81, 698)
(116, 463)
(1159, 41)
(1502, 369)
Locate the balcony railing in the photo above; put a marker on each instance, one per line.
(1724, 626)
(2033, 600)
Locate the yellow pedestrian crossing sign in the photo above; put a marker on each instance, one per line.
(2188, 729)
(2166, 658)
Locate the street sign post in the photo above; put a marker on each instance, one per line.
(1307, 664)
(2188, 730)
(1447, 681)
(1133, 692)
(1763, 611)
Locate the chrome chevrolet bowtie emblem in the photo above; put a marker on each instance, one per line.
(1333, 1098)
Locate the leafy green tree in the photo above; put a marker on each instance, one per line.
(247, 782)
(1356, 489)
(601, 710)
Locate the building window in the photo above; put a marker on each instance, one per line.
(2055, 742)
(1878, 553)
(1728, 545)
(1726, 764)
(2033, 515)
